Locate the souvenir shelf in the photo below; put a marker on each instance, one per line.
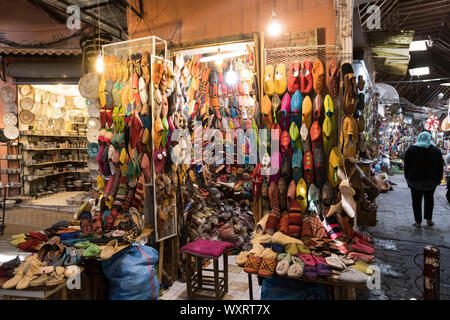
(54, 144)
(12, 156)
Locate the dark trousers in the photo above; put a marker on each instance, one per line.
(417, 204)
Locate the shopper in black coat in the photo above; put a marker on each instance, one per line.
(424, 167)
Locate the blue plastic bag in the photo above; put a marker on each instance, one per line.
(131, 274)
(276, 288)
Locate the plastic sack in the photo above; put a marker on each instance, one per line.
(131, 274)
(275, 288)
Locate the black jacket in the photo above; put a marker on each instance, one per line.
(424, 167)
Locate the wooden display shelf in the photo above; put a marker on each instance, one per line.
(53, 136)
(56, 149)
(56, 162)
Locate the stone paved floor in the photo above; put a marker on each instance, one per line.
(397, 242)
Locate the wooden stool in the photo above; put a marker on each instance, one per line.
(206, 249)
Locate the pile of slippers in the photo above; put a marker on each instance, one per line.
(32, 272)
(310, 259)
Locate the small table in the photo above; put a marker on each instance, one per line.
(342, 290)
(35, 293)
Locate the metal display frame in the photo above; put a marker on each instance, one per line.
(157, 49)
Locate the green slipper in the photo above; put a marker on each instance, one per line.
(82, 245)
(92, 251)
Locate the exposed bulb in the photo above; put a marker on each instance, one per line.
(99, 63)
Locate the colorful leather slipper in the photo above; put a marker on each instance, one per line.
(318, 109)
(318, 73)
(323, 268)
(297, 165)
(348, 202)
(280, 79)
(307, 112)
(320, 174)
(305, 139)
(356, 256)
(286, 104)
(266, 112)
(269, 84)
(328, 127)
(302, 194)
(308, 167)
(328, 106)
(252, 264)
(306, 77)
(349, 137)
(333, 166)
(333, 77)
(294, 77)
(307, 259)
(315, 132)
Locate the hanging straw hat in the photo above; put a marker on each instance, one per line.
(445, 126)
(88, 85)
(27, 103)
(8, 94)
(26, 90)
(11, 132)
(26, 117)
(10, 119)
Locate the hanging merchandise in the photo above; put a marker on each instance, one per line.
(309, 214)
(219, 100)
(432, 123)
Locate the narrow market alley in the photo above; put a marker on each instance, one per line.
(397, 242)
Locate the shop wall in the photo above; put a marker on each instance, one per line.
(24, 23)
(3, 150)
(192, 20)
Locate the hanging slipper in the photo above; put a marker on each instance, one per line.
(286, 104)
(280, 79)
(294, 77)
(269, 83)
(318, 72)
(333, 77)
(306, 78)
(348, 202)
(308, 167)
(320, 175)
(302, 195)
(307, 112)
(283, 226)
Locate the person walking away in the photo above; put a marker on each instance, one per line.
(424, 167)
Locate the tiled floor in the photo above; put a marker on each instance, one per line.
(237, 285)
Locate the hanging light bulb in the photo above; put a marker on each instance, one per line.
(274, 27)
(99, 63)
(231, 77)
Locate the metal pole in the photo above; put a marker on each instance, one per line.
(431, 276)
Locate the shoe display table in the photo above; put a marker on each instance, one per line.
(37, 293)
(342, 290)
